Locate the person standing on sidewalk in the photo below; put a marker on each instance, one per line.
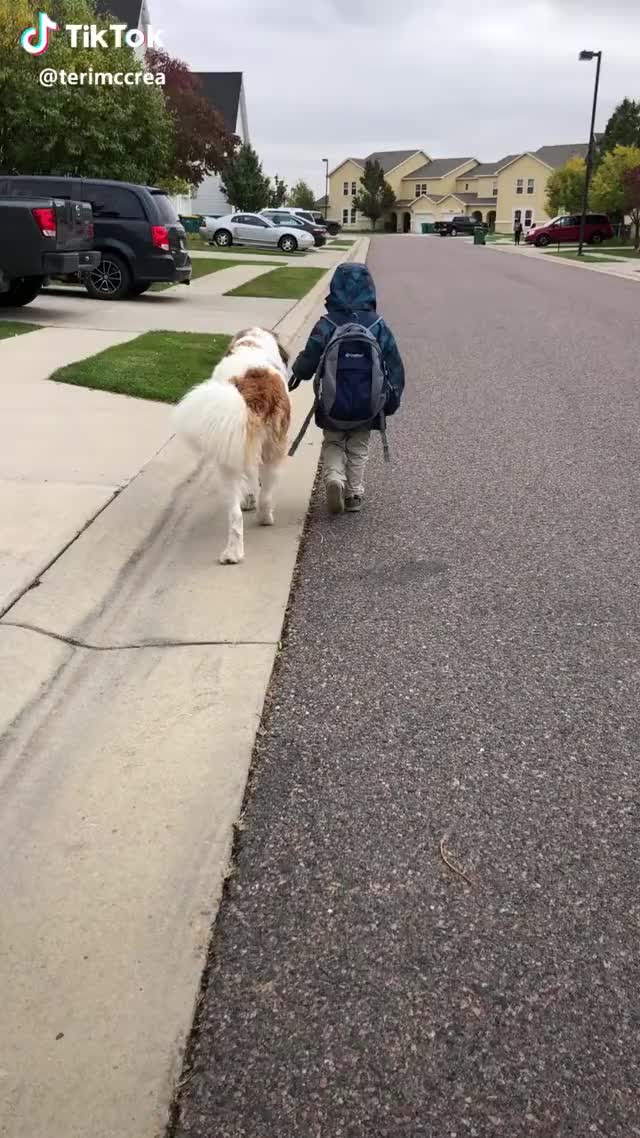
(517, 231)
(351, 301)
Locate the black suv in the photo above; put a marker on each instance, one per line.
(459, 224)
(137, 231)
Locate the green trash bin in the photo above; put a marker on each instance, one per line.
(425, 226)
(479, 235)
(192, 222)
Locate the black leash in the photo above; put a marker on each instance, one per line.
(303, 430)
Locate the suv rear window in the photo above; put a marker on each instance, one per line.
(164, 206)
(112, 201)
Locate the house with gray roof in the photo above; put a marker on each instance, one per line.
(498, 193)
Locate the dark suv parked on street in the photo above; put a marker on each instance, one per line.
(137, 232)
(459, 224)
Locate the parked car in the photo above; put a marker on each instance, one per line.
(459, 224)
(332, 227)
(566, 228)
(284, 217)
(39, 237)
(253, 229)
(137, 232)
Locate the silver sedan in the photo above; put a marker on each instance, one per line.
(252, 229)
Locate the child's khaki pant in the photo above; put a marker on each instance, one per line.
(344, 457)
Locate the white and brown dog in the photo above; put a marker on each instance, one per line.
(239, 419)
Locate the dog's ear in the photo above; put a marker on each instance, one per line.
(284, 354)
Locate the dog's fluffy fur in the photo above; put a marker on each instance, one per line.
(239, 419)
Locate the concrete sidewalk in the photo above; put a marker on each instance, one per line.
(64, 451)
(626, 267)
(138, 670)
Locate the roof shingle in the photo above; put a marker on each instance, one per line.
(556, 156)
(126, 11)
(222, 89)
(438, 168)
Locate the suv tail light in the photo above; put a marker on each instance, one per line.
(160, 237)
(90, 230)
(46, 220)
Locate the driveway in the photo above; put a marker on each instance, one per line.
(457, 695)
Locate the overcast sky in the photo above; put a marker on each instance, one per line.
(352, 76)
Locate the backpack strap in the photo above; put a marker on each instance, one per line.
(383, 436)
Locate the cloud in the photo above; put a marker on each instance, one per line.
(339, 79)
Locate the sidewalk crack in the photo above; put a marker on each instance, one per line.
(161, 642)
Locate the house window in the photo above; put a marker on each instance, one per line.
(353, 216)
(345, 189)
(345, 217)
(520, 186)
(354, 188)
(495, 189)
(418, 190)
(530, 185)
(517, 215)
(466, 185)
(528, 218)
(421, 188)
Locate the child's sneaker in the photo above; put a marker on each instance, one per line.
(353, 504)
(335, 497)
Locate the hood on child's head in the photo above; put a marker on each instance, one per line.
(352, 289)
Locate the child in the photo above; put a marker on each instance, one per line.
(351, 301)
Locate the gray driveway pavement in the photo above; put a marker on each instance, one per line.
(459, 684)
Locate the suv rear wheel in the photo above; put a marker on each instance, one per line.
(111, 280)
(21, 291)
(596, 239)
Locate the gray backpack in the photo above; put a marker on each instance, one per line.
(351, 382)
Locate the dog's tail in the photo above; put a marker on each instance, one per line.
(213, 418)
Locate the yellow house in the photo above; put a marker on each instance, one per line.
(437, 189)
(344, 181)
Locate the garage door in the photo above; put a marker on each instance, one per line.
(419, 218)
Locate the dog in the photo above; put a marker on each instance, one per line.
(239, 419)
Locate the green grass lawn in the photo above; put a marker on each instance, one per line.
(202, 266)
(285, 284)
(341, 244)
(158, 365)
(621, 251)
(11, 328)
(589, 258)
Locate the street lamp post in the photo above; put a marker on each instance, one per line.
(326, 187)
(585, 56)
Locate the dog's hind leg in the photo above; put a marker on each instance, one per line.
(234, 551)
(268, 477)
(250, 488)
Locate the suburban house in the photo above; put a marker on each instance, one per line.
(223, 89)
(435, 189)
(133, 13)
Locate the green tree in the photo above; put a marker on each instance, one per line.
(376, 196)
(610, 189)
(302, 196)
(565, 188)
(631, 181)
(244, 182)
(278, 193)
(623, 128)
(105, 131)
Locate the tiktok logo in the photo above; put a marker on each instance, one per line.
(36, 40)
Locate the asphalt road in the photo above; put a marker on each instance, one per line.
(462, 663)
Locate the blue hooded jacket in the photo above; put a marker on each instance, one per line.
(352, 297)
